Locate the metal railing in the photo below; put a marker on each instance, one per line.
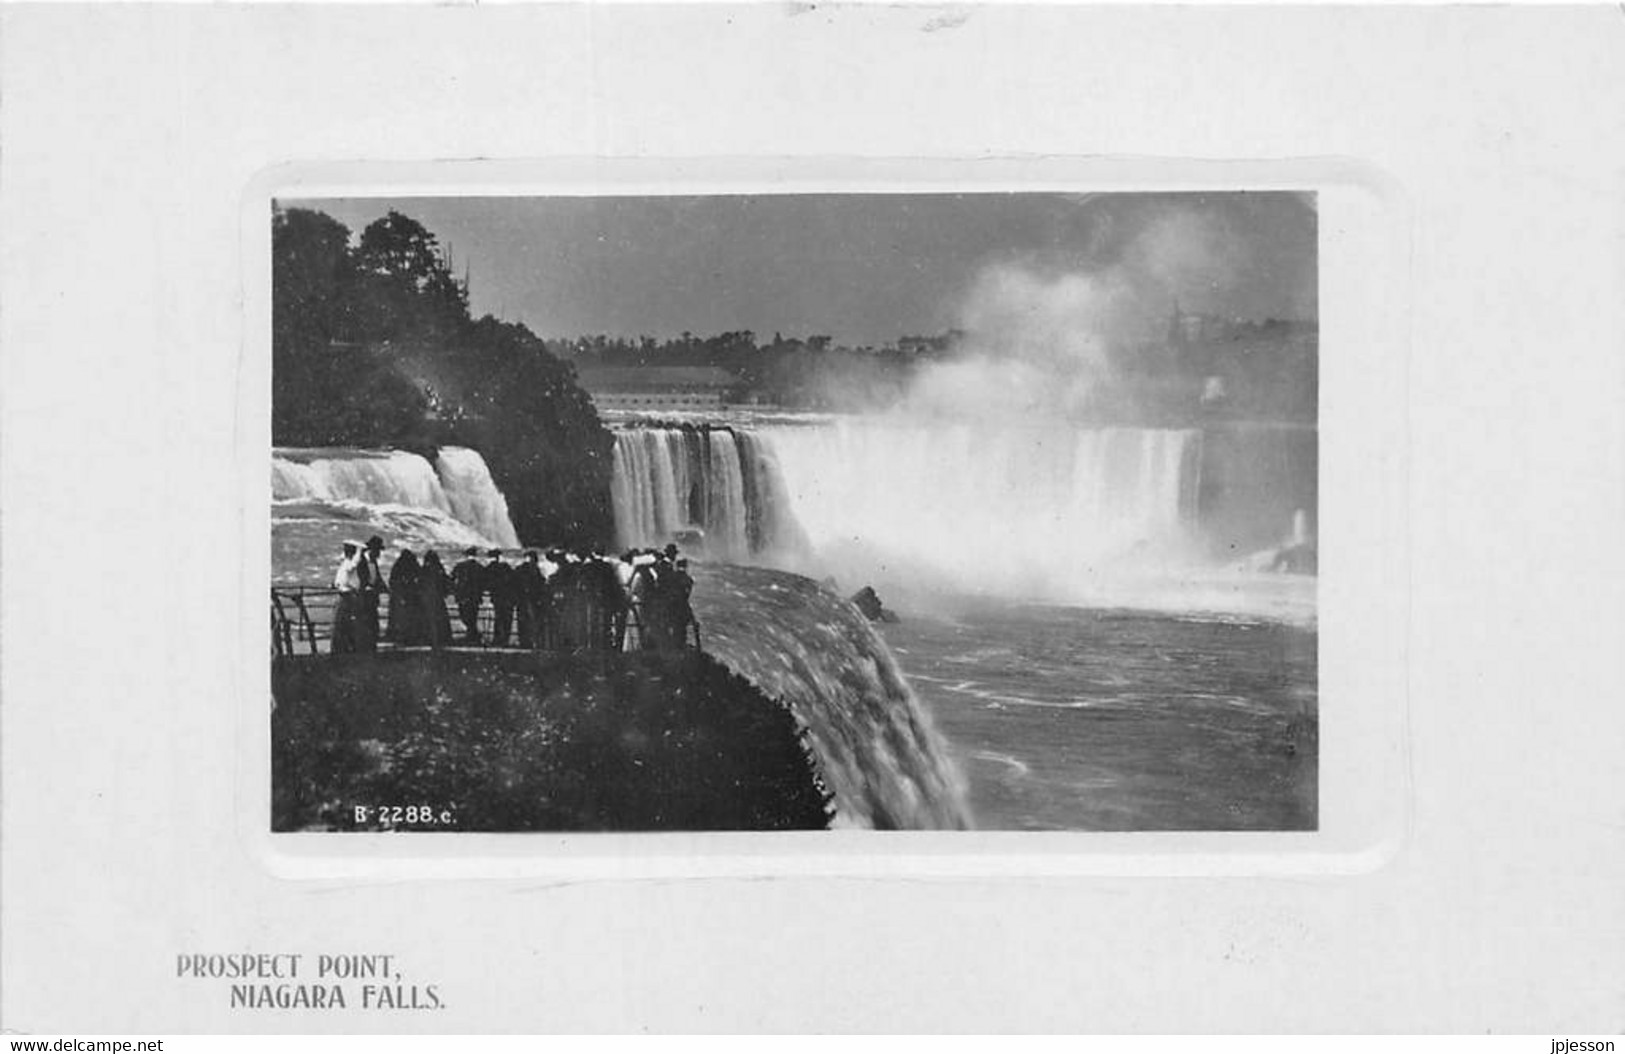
(303, 621)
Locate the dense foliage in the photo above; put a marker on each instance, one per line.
(373, 345)
(504, 743)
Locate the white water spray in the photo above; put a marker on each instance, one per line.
(451, 502)
(1032, 512)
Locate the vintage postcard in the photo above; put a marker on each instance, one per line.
(786, 511)
(839, 517)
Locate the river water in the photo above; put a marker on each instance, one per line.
(1065, 718)
(1084, 612)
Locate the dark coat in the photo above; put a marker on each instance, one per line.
(468, 580)
(529, 585)
(501, 585)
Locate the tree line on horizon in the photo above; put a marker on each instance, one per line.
(1265, 369)
(786, 371)
(373, 345)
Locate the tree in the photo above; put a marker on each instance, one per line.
(326, 389)
(406, 284)
(312, 278)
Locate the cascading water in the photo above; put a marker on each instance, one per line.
(322, 496)
(1017, 508)
(1042, 511)
(458, 485)
(992, 498)
(724, 484)
(872, 742)
(725, 496)
(388, 477)
(1022, 511)
(770, 520)
(473, 495)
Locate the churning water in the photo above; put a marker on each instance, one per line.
(1106, 720)
(1083, 610)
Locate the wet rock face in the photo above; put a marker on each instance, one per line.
(512, 742)
(867, 601)
(809, 649)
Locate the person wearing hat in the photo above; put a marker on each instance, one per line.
(669, 613)
(624, 571)
(347, 612)
(548, 607)
(406, 626)
(372, 587)
(572, 607)
(499, 584)
(606, 602)
(656, 607)
(467, 583)
(681, 586)
(433, 587)
(640, 593)
(531, 590)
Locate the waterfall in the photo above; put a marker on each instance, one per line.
(942, 496)
(644, 488)
(872, 742)
(725, 528)
(474, 497)
(1128, 489)
(723, 484)
(390, 477)
(1034, 510)
(769, 515)
(453, 501)
(1049, 511)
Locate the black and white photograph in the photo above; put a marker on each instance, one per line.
(857, 518)
(892, 511)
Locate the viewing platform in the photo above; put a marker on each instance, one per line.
(302, 620)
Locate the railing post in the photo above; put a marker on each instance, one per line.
(308, 625)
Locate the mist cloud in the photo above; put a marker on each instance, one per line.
(1048, 337)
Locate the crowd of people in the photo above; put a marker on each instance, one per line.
(557, 600)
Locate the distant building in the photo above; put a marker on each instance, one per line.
(658, 387)
(917, 346)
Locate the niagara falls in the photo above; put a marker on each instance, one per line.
(1044, 559)
(1050, 566)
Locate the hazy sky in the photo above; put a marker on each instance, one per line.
(864, 268)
